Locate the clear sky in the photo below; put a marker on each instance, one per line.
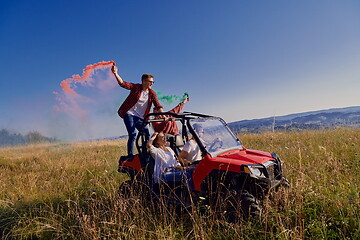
(237, 59)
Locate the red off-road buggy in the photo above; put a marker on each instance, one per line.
(229, 178)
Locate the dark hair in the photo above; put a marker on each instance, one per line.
(156, 141)
(146, 76)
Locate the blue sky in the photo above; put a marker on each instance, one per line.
(237, 59)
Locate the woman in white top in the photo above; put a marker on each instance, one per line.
(164, 156)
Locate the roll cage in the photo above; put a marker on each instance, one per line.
(184, 118)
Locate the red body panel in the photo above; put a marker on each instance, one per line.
(230, 161)
(134, 164)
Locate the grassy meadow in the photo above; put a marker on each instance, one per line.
(70, 191)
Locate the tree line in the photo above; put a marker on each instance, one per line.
(8, 138)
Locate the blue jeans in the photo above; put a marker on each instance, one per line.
(177, 175)
(132, 123)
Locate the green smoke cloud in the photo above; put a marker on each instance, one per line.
(171, 98)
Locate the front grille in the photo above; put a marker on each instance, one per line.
(270, 168)
(271, 172)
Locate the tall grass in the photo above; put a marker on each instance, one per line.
(70, 191)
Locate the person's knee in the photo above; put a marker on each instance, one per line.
(132, 135)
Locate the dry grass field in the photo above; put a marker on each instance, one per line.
(70, 191)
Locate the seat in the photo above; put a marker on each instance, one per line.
(175, 142)
(179, 141)
(178, 144)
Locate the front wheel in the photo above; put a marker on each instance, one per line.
(249, 205)
(242, 205)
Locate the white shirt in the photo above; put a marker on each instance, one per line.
(139, 108)
(193, 150)
(163, 160)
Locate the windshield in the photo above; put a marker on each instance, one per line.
(215, 135)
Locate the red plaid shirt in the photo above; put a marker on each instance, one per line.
(134, 96)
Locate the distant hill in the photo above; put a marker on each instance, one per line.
(323, 119)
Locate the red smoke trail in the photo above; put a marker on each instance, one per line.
(69, 101)
(87, 72)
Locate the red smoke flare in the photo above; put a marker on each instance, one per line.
(87, 72)
(69, 101)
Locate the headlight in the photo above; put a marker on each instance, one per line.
(256, 169)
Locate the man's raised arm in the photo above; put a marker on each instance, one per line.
(114, 70)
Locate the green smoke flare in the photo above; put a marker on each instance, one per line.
(171, 98)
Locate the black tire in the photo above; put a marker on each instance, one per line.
(125, 189)
(249, 205)
(241, 206)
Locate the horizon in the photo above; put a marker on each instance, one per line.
(124, 135)
(236, 60)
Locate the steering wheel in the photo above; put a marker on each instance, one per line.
(216, 144)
